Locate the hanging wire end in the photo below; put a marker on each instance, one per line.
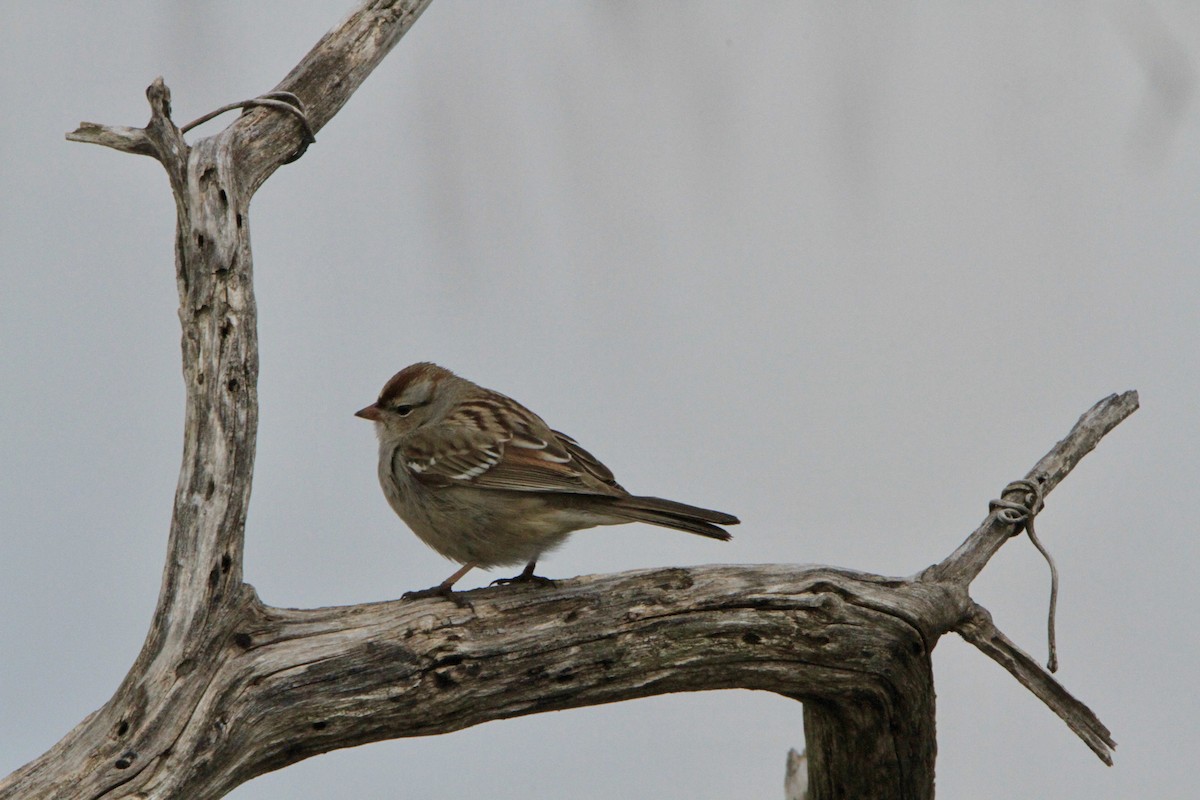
(1020, 513)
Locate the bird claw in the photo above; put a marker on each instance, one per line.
(536, 580)
(441, 590)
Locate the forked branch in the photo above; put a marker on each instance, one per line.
(226, 688)
(972, 555)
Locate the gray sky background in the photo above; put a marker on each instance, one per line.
(844, 269)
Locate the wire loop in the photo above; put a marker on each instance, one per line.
(280, 101)
(1020, 513)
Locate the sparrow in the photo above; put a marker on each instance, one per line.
(487, 483)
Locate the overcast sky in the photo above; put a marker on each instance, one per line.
(843, 269)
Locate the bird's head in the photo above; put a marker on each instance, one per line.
(414, 396)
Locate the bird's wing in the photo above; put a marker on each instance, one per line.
(503, 445)
(584, 460)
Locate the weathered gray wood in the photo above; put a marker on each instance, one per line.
(978, 629)
(226, 688)
(128, 743)
(972, 555)
(795, 781)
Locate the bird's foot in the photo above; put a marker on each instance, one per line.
(524, 577)
(443, 591)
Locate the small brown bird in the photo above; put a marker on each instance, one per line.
(485, 482)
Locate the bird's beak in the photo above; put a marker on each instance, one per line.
(371, 412)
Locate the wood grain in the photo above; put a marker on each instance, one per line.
(225, 688)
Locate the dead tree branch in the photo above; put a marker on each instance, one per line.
(226, 688)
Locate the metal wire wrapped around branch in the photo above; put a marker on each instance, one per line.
(1021, 513)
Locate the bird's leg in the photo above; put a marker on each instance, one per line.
(526, 576)
(445, 589)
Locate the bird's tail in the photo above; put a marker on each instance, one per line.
(679, 516)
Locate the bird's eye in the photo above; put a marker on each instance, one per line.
(403, 410)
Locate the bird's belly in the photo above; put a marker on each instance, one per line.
(487, 527)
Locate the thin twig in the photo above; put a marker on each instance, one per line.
(979, 630)
(966, 562)
(118, 137)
